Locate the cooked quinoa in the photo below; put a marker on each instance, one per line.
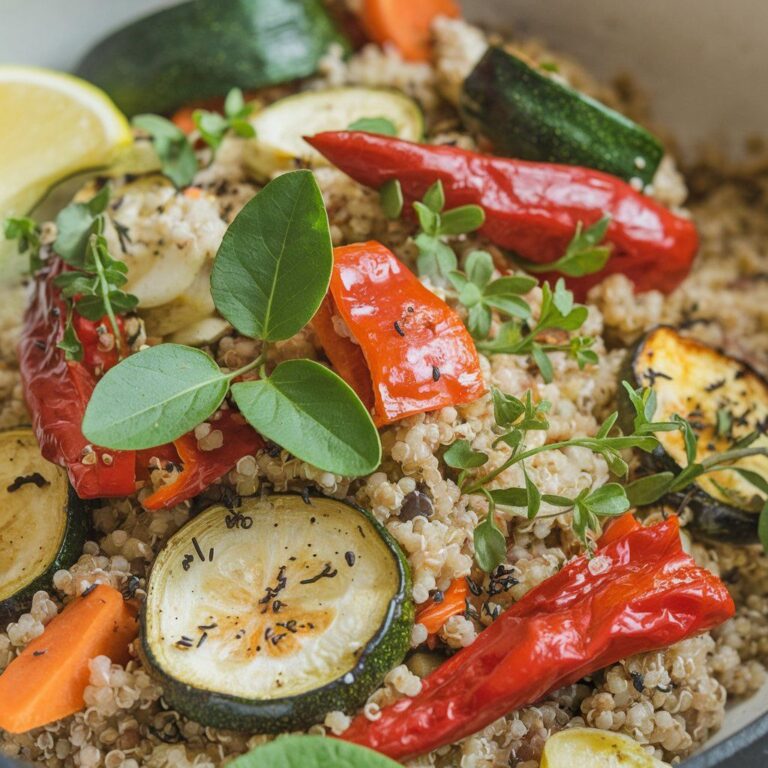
(670, 700)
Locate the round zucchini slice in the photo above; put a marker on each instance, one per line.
(279, 145)
(724, 399)
(42, 522)
(267, 617)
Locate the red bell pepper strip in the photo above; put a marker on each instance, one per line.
(417, 352)
(640, 594)
(201, 468)
(530, 208)
(619, 527)
(57, 392)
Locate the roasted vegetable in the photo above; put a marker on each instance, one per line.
(300, 607)
(42, 522)
(593, 748)
(203, 48)
(530, 115)
(649, 595)
(724, 400)
(533, 209)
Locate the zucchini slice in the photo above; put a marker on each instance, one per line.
(527, 114)
(201, 49)
(42, 522)
(267, 617)
(594, 748)
(279, 145)
(724, 399)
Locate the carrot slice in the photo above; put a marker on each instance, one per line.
(405, 23)
(435, 614)
(46, 682)
(618, 528)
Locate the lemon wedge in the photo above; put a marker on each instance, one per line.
(52, 125)
(593, 748)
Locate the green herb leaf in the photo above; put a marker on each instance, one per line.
(507, 409)
(234, 104)
(724, 421)
(313, 414)
(70, 344)
(177, 158)
(74, 226)
(274, 264)
(213, 127)
(490, 544)
(154, 397)
(533, 493)
(609, 500)
(543, 362)
(461, 455)
(381, 125)
(459, 221)
(435, 259)
(583, 256)
(429, 221)
(391, 199)
(312, 752)
(27, 232)
(762, 527)
(647, 490)
(510, 497)
(479, 268)
(434, 197)
(479, 321)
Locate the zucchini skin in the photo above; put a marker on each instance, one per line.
(712, 520)
(391, 641)
(528, 115)
(69, 552)
(201, 49)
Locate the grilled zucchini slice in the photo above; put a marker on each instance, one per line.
(724, 400)
(279, 145)
(42, 522)
(594, 748)
(267, 617)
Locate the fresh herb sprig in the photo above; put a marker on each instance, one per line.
(380, 125)
(94, 284)
(178, 160)
(27, 232)
(269, 277)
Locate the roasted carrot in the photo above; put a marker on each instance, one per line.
(435, 613)
(405, 23)
(618, 528)
(46, 682)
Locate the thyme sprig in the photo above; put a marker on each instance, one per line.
(27, 232)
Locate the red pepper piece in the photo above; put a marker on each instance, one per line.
(417, 352)
(530, 208)
(57, 393)
(97, 359)
(434, 614)
(619, 527)
(201, 468)
(642, 594)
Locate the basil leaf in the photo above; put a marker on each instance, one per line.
(490, 544)
(506, 408)
(274, 264)
(608, 501)
(459, 221)
(312, 752)
(461, 455)
(479, 268)
(153, 397)
(647, 490)
(381, 125)
(315, 415)
(177, 158)
(391, 199)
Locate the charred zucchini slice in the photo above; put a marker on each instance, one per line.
(42, 522)
(724, 400)
(268, 616)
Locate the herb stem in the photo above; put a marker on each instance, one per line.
(104, 285)
(729, 456)
(258, 362)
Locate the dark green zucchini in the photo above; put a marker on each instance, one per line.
(525, 113)
(724, 400)
(201, 49)
(267, 617)
(42, 522)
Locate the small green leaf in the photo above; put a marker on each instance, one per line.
(647, 490)
(381, 125)
(391, 199)
(74, 226)
(435, 257)
(301, 751)
(490, 544)
(562, 298)
(70, 343)
(755, 478)
(534, 496)
(153, 397)
(459, 221)
(607, 425)
(543, 362)
(177, 158)
(461, 455)
(479, 268)
(608, 501)
(510, 497)
(315, 415)
(211, 125)
(510, 305)
(689, 438)
(434, 197)
(470, 294)
(507, 409)
(274, 264)
(762, 527)
(479, 321)
(724, 421)
(234, 104)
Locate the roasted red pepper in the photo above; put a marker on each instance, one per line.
(57, 392)
(640, 593)
(530, 208)
(409, 352)
(200, 468)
